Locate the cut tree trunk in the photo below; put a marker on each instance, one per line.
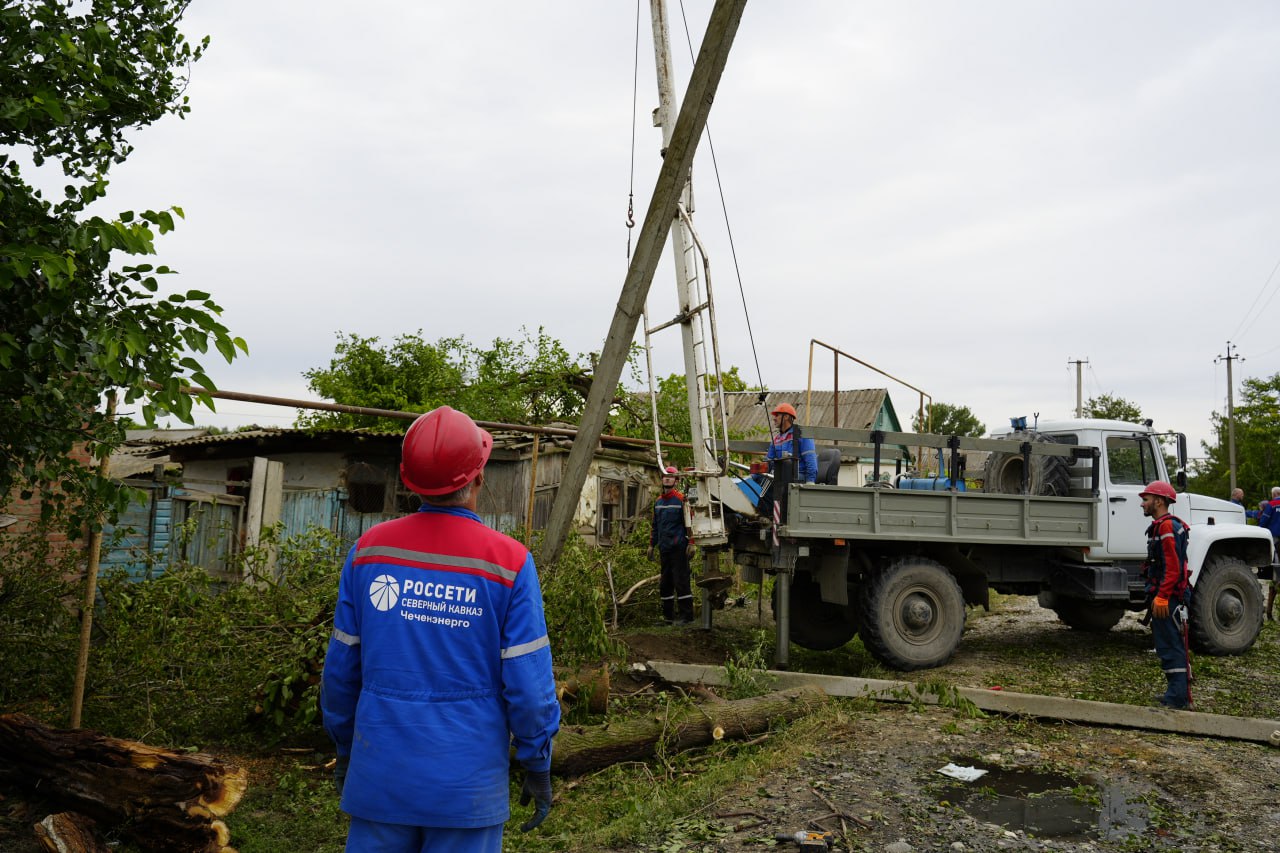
(160, 799)
(583, 686)
(583, 749)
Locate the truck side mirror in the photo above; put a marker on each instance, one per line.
(1182, 463)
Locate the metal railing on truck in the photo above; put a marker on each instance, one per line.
(863, 443)
(873, 512)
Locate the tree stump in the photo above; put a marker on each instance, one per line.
(583, 749)
(161, 799)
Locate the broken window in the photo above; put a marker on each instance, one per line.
(611, 511)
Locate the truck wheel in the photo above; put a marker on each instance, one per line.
(1088, 615)
(1049, 475)
(816, 624)
(1226, 607)
(912, 614)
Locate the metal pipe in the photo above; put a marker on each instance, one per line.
(923, 394)
(268, 400)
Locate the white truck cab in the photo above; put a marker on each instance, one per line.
(1221, 549)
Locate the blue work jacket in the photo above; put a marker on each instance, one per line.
(438, 665)
(1269, 517)
(807, 465)
(668, 531)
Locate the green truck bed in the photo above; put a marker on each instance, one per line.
(847, 512)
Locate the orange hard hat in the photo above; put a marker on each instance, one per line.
(1161, 489)
(442, 452)
(784, 409)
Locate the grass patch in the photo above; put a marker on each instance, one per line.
(671, 804)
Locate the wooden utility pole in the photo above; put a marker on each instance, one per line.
(1079, 385)
(1231, 414)
(703, 82)
(90, 592)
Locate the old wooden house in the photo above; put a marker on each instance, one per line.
(207, 497)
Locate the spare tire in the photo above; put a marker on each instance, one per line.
(1048, 475)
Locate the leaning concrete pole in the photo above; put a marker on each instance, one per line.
(712, 57)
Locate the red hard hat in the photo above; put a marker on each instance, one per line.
(670, 469)
(784, 409)
(442, 452)
(1160, 488)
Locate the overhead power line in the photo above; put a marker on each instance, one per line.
(1250, 316)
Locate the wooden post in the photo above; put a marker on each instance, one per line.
(265, 498)
(90, 594)
(708, 68)
(533, 490)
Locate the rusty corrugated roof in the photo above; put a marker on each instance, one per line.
(858, 409)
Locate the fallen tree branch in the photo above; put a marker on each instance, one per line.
(626, 596)
(583, 749)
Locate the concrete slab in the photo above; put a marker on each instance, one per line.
(1003, 702)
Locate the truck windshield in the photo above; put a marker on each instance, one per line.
(1130, 460)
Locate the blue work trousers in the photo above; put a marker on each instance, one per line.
(368, 836)
(1174, 660)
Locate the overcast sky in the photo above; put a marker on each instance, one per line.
(966, 195)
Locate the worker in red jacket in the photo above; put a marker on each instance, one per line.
(1168, 591)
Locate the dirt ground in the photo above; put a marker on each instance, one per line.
(1050, 786)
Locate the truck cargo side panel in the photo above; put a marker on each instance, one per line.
(853, 513)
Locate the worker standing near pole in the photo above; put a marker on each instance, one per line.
(439, 663)
(1168, 591)
(670, 536)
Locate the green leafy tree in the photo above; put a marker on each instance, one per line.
(76, 325)
(529, 381)
(1111, 407)
(1257, 430)
(949, 419)
(636, 420)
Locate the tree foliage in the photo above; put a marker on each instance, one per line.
(673, 413)
(72, 87)
(949, 419)
(1113, 408)
(529, 381)
(1257, 432)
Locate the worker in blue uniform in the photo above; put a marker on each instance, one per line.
(784, 419)
(670, 536)
(439, 663)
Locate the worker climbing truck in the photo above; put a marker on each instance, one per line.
(1058, 516)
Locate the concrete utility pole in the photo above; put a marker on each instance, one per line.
(1231, 414)
(1079, 386)
(712, 57)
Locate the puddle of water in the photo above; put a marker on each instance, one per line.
(1045, 804)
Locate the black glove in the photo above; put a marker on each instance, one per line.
(537, 787)
(340, 772)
